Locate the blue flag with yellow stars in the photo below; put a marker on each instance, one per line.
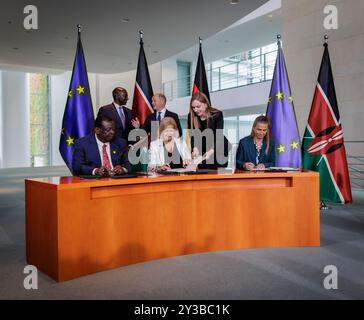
(78, 117)
(280, 110)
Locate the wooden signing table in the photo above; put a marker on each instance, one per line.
(76, 227)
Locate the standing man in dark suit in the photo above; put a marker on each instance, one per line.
(119, 112)
(159, 104)
(101, 153)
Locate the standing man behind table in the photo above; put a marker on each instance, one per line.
(159, 104)
(118, 111)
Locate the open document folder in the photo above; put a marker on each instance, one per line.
(192, 167)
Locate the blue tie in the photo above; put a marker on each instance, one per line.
(159, 116)
(122, 116)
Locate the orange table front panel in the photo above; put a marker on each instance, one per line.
(76, 227)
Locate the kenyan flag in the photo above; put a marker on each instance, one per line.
(323, 142)
(142, 102)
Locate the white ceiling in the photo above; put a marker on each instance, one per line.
(252, 34)
(110, 45)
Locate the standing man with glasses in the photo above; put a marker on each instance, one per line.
(118, 111)
(160, 112)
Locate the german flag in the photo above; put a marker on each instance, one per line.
(200, 84)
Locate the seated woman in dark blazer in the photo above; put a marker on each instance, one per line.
(256, 151)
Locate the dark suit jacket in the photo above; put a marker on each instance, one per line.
(147, 126)
(215, 122)
(86, 156)
(111, 111)
(247, 153)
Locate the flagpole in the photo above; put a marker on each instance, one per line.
(279, 42)
(78, 116)
(279, 37)
(323, 205)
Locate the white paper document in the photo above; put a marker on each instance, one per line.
(285, 168)
(191, 167)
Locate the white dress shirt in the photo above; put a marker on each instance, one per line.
(163, 113)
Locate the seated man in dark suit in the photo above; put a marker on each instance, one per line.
(159, 104)
(118, 111)
(101, 153)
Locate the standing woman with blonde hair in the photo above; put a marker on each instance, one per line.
(256, 151)
(203, 116)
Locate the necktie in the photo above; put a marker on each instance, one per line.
(105, 158)
(159, 116)
(122, 116)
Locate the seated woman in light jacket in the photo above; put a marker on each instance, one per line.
(169, 151)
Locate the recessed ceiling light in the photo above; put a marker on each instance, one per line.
(125, 20)
(234, 1)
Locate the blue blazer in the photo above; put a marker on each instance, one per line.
(86, 156)
(247, 153)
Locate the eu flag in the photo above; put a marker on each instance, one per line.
(78, 117)
(280, 111)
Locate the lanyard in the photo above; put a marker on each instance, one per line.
(257, 149)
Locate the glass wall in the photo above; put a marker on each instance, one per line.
(183, 79)
(242, 69)
(39, 120)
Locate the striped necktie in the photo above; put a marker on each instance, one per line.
(105, 158)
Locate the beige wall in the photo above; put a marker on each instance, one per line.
(303, 33)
